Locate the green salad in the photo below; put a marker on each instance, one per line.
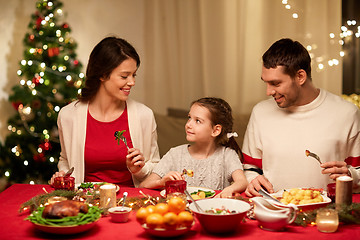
(207, 193)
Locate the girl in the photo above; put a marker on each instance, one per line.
(87, 126)
(214, 155)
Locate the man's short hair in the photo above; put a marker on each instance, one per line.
(290, 54)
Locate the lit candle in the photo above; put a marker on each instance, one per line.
(107, 196)
(327, 220)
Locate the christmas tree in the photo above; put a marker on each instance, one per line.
(50, 77)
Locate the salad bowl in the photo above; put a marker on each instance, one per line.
(221, 215)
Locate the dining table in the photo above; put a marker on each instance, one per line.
(14, 226)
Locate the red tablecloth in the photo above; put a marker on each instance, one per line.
(13, 226)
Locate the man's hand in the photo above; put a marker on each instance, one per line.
(335, 169)
(258, 183)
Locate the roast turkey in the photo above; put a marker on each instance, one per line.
(64, 209)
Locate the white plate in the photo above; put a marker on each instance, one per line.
(78, 185)
(308, 206)
(191, 190)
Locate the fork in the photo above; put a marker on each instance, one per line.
(308, 153)
(119, 136)
(122, 138)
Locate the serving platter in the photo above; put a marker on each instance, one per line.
(309, 206)
(65, 230)
(192, 190)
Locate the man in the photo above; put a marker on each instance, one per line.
(301, 117)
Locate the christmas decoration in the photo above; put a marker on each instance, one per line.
(50, 77)
(348, 214)
(355, 99)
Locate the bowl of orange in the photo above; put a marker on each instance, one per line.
(168, 219)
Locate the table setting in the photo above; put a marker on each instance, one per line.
(104, 210)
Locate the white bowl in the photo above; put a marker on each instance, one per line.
(119, 214)
(215, 223)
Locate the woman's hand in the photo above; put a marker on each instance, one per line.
(135, 160)
(57, 174)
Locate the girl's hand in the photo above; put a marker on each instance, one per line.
(172, 175)
(57, 174)
(135, 160)
(226, 193)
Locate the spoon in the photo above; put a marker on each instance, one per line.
(308, 153)
(196, 204)
(268, 196)
(124, 198)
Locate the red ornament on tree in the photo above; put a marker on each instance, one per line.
(36, 80)
(65, 25)
(31, 37)
(46, 146)
(76, 62)
(38, 22)
(16, 105)
(54, 51)
(39, 157)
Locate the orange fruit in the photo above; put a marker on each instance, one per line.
(141, 215)
(161, 208)
(185, 218)
(176, 205)
(170, 220)
(154, 220)
(150, 208)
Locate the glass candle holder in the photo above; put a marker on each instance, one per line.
(173, 186)
(327, 220)
(331, 189)
(64, 183)
(107, 196)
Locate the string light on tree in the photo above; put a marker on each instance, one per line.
(49, 78)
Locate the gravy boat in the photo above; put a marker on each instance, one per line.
(273, 216)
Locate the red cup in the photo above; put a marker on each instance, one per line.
(174, 186)
(331, 189)
(64, 183)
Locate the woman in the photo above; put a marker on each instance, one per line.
(87, 126)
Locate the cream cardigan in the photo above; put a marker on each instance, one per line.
(72, 133)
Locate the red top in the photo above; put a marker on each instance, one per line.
(105, 160)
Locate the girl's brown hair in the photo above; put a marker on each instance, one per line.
(221, 113)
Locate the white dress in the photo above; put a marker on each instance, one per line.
(213, 172)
